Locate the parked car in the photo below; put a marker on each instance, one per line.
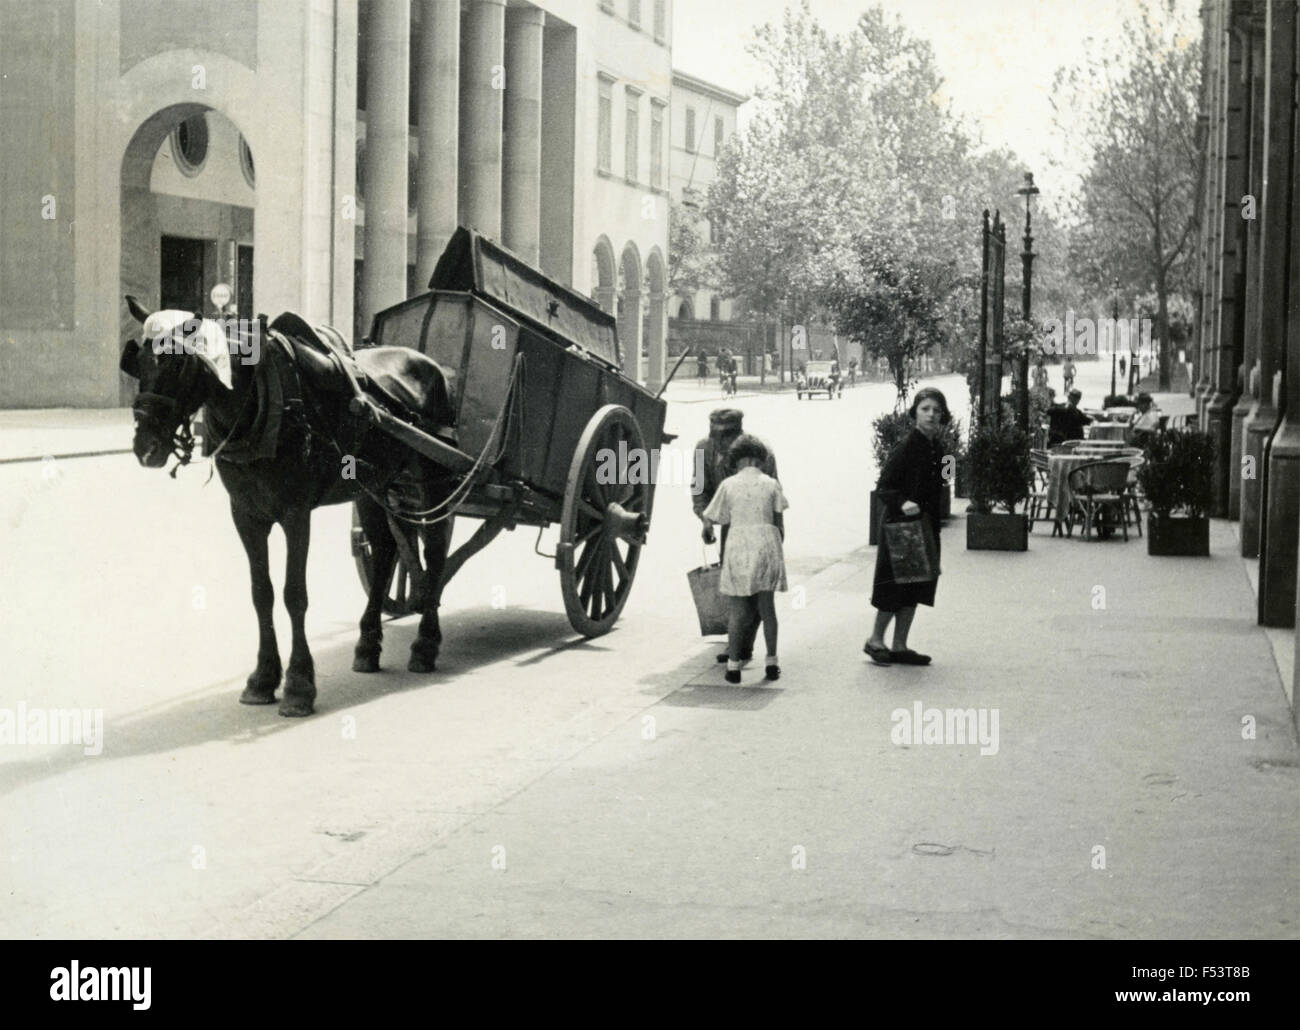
(817, 376)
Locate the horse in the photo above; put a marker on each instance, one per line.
(289, 443)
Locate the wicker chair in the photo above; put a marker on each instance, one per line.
(1100, 486)
(1040, 506)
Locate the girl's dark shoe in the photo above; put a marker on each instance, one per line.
(909, 657)
(879, 655)
(733, 675)
(773, 672)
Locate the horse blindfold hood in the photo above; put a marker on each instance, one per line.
(171, 332)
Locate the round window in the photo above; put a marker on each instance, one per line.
(190, 144)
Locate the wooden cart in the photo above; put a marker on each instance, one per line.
(535, 382)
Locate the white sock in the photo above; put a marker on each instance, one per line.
(733, 666)
(771, 660)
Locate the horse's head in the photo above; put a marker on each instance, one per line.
(178, 362)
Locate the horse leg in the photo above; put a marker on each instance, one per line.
(424, 649)
(260, 688)
(383, 552)
(300, 680)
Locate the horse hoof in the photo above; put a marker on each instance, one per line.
(419, 663)
(257, 696)
(365, 663)
(296, 707)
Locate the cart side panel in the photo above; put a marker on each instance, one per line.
(648, 410)
(400, 325)
(543, 376)
(577, 397)
(486, 376)
(446, 339)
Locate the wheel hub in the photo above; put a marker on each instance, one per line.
(624, 524)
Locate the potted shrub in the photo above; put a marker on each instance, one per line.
(1000, 472)
(1177, 478)
(887, 432)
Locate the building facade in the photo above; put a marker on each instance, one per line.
(1247, 346)
(704, 118)
(162, 146)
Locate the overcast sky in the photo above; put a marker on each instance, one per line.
(998, 56)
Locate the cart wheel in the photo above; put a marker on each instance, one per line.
(396, 603)
(602, 525)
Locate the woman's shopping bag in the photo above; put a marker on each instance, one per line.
(710, 605)
(913, 553)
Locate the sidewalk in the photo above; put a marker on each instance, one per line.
(1119, 798)
(30, 434)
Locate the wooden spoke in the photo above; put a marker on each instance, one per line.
(397, 600)
(619, 563)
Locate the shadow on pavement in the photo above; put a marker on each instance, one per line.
(471, 639)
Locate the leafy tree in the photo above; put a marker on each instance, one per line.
(892, 306)
(688, 255)
(1133, 98)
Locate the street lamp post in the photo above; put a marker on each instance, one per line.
(1028, 191)
(1134, 352)
(1114, 322)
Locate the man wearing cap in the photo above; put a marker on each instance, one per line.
(725, 424)
(1067, 423)
(1147, 420)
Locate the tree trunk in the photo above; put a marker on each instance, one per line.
(1162, 326)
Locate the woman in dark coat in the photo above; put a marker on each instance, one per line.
(911, 483)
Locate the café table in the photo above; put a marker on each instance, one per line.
(1106, 430)
(1059, 467)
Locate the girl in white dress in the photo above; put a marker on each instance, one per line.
(753, 566)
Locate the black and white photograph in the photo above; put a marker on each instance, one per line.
(670, 470)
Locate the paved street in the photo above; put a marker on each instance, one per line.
(542, 785)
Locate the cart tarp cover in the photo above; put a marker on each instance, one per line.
(472, 263)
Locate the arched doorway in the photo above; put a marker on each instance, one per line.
(188, 192)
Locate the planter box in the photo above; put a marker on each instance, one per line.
(1179, 537)
(996, 532)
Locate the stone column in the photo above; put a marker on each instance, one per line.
(521, 179)
(658, 342)
(388, 50)
(437, 174)
(604, 297)
(629, 331)
(482, 82)
(1231, 286)
(1247, 407)
(1280, 514)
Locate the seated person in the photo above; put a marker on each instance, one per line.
(1066, 423)
(1146, 422)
